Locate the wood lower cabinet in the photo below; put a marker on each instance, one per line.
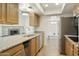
(37, 44)
(20, 53)
(75, 51)
(32, 47)
(28, 48)
(69, 48)
(15, 51)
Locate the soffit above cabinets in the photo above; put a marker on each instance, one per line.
(29, 7)
(25, 7)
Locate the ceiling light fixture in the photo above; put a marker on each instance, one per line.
(57, 3)
(46, 5)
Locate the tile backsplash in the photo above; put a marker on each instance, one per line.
(4, 30)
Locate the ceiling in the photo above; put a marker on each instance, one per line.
(70, 7)
(51, 8)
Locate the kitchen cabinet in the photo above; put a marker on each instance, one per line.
(9, 13)
(15, 51)
(37, 44)
(69, 48)
(34, 19)
(75, 51)
(27, 48)
(12, 13)
(20, 53)
(32, 47)
(2, 13)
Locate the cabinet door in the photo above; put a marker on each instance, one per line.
(69, 48)
(31, 19)
(75, 51)
(14, 50)
(3, 13)
(12, 13)
(37, 22)
(37, 44)
(32, 47)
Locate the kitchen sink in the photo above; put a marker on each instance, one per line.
(75, 39)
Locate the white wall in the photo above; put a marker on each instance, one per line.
(47, 27)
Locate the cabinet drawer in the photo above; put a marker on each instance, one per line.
(14, 50)
(20, 53)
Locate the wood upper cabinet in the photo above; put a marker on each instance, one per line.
(34, 19)
(9, 13)
(3, 13)
(12, 13)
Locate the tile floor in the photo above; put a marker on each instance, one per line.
(51, 49)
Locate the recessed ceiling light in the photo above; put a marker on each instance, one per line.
(57, 3)
(46, 5)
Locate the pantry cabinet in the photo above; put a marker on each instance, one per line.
(34, 19)
(8, 13)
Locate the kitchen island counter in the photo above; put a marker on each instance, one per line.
(70, 39)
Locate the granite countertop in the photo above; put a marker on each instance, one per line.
(10, 41)
(75, 43)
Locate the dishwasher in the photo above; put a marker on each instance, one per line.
(27, 48)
